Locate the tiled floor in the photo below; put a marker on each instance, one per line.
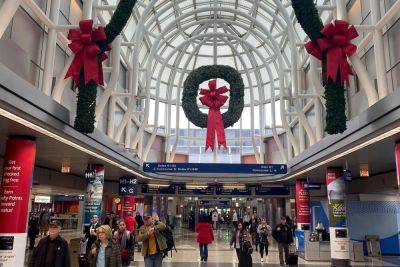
(220, 255)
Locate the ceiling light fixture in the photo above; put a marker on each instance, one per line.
(39, 129)
(196, 186)
(234, 186)
(155, 185)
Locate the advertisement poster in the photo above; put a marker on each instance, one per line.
(302, 203)
(18, 167)
(94, 181)
(336, 190)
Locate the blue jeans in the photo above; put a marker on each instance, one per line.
(203, 251)
(154, 260)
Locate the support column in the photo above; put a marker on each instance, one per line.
(51, 45)
(94, 181)
(379, 51)
(397, 155)
(336, 190)
(19, 161)
(302, 205)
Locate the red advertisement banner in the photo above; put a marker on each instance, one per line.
(18, 167)
(302, 202)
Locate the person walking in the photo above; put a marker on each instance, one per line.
(284, 236)
(215, 219)
(246, 220)
(52, 250)
(205, 236)
(105, 251)
(90, 232)
(33, 230)
(263, 231)
(44, 220)
(235, 219)
(124, 239)
(254, 222)
(241, 242)
(154, 242)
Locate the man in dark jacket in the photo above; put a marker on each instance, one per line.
(33, 230)
(52, 251)
(284, 236)
(90, 232)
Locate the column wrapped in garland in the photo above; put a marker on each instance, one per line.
(330, 44)
(90, 46)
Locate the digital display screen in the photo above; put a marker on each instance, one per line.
(6, 242)
(341, 233)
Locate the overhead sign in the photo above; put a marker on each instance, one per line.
(165, 167)
(214, 202)
(233, 192)
(42, 199)
(128, 186)
(182, 190)
(272, 191)
(169, 190)
(312, 186)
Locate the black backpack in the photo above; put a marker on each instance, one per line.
(169, 239)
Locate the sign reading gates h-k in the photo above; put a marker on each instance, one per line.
(127, 186)
(165, 167)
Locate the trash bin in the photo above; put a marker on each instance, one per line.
(356, 251)
(373, 245)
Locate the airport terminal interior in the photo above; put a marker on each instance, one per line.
(199, 133)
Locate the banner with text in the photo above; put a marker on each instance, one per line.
(94, 182)
(302, 203)
(18, 167)
(336, 190)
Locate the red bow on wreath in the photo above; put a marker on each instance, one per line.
(87, 53)
(337, 46)
(214, 99)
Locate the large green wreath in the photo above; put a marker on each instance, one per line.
(204, 73)
(86, 103)
(308, 17)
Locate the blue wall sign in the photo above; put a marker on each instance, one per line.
(127, 186)
(272, 191)
(214, 202)
(165, 167)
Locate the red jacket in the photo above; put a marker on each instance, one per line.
(130, 223)
(204, 233)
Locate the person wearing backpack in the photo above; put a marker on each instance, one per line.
(205, 236)
(169, 238)
(154, 243)
(284, 236)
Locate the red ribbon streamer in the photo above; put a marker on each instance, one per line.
(214, 99)
(87, 53)
(337, 47)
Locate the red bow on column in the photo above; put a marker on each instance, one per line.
(87, 53)
(337, 46)
(214, 99)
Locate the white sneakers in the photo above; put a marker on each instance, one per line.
(262, 259)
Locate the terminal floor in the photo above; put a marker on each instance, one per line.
(220, 255)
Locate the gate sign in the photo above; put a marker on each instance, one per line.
(166, 167)
(128, 186)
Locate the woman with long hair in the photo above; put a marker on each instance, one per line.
(205, 236)
(105, 251)
(241, 241)
(123, 238)
(263, 231)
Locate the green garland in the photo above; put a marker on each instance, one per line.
(86, 104)
(307, 16)
(204, 73)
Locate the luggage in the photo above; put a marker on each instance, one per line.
(293, 260)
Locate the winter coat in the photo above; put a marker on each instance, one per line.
(112, 254)
(204, 233)
(244, 237)
(61, 257)
(283, 234)
(143, 236)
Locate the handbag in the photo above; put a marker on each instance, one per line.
(124, 254)
(247, 248)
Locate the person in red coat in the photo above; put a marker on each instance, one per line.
(205, 236)
(130, 222)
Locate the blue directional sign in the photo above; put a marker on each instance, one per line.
(128, 186)
(233, 192)
(165, 167)
(312, 186)
(272, 191)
